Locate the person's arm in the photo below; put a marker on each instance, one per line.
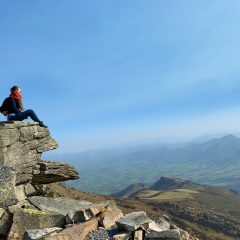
(12, 106)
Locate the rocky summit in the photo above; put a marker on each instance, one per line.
(27, 214)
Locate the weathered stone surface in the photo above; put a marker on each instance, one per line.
(122, 236)
(152, 226)
(8, 137)
(61, 205)
(163, 222)
(132, 221)
(40, 234)
(5, 222)
(21, 146)
(7, 187)
(46, 144)
(77, 232)
(88, 212)
(29, 189)
(33, 219)
(110, 215)
(138, 235)
(54, 172)
(173, 234)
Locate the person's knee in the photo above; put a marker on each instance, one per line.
(29, 111)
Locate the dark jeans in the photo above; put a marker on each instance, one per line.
(25, 114)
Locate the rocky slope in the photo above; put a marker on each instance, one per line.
(30, 208)
(210, 212)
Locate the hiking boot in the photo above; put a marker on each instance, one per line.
(42, 125)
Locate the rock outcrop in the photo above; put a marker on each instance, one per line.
(26, 216)
(21, 146)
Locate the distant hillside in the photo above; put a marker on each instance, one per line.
(165, 183)
(215, 162)
(200, 204)
(131, 190)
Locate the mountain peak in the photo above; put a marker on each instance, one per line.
(167, 183)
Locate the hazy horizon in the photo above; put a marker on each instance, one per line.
(169, 141)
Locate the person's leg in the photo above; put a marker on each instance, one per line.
(25, 114)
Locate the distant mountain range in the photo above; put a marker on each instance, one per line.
(214, 162)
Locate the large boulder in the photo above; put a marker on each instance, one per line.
(133, 221)
(76, 210)
(50, 172)
(61, 204)
(24, 219)
(110, 215)
(88, 212)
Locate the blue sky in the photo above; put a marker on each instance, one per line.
(108, 72)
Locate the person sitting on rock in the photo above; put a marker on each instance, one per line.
(15, 109)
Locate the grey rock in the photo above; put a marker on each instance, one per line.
(133, 221)
(40, 234)
(88, 212)
(61, 205)
(173, 234)
(29, 189)
(162, 223)
(50, 172)
(110, 215)
(8, 136)
(21, 146)
(24, 219)
(7, 187)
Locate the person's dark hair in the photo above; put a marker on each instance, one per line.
(14, 88)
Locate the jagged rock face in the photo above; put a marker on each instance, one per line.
(21, 145)
(50, 172)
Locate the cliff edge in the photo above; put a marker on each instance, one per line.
(21, 146)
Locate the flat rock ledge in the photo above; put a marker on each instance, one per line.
(50, 172)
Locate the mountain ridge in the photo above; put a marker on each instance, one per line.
(215, 162)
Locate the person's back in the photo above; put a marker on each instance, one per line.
(5, 106)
